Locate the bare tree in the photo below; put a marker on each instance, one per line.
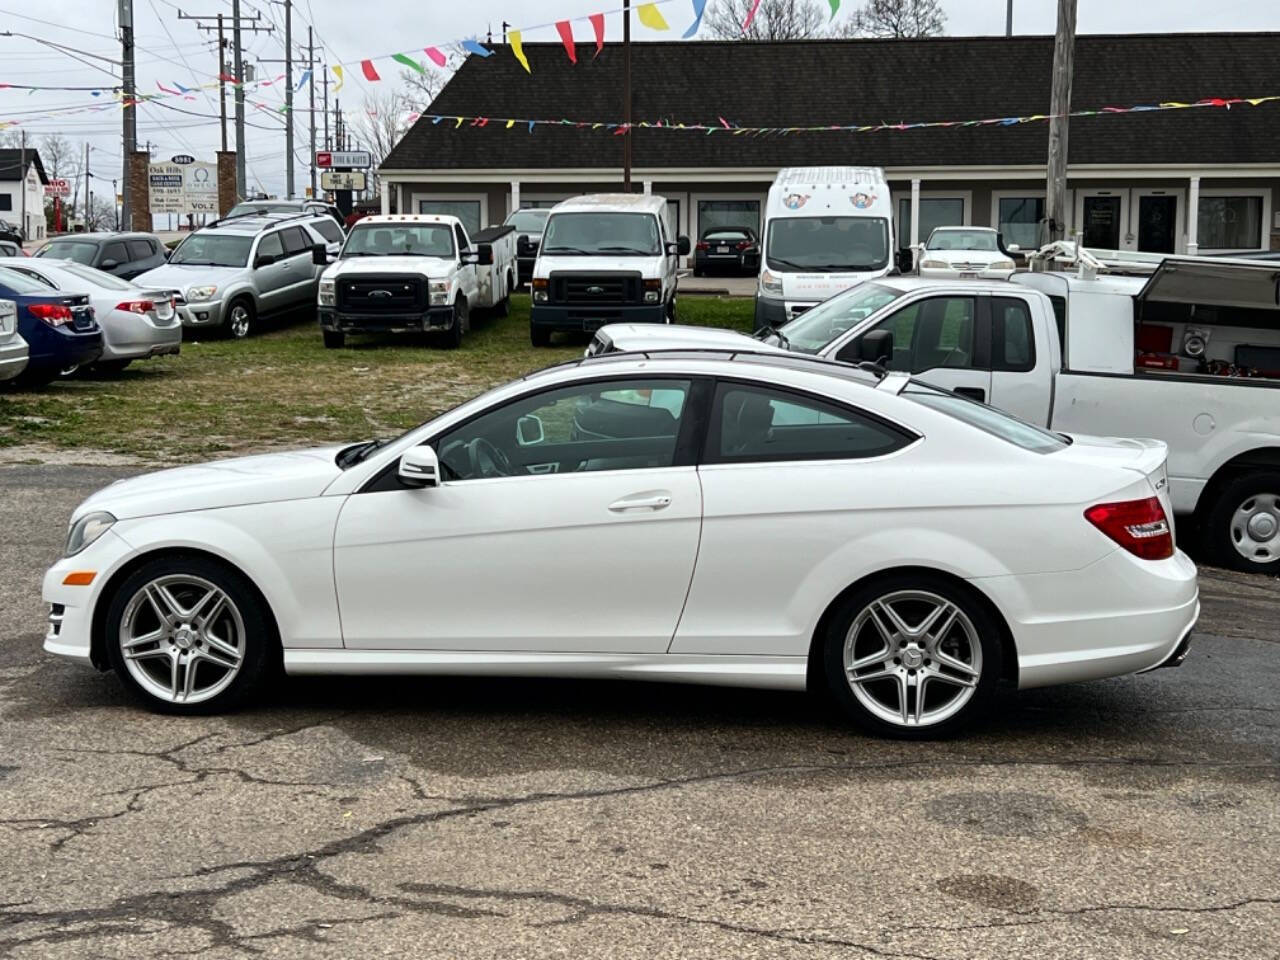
(57, 155)
(774, 20)
(422, 88)
(103, 214)
(10, 138)
(896, 20)
(383, 120)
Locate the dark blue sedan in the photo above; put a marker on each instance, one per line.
(59, 328)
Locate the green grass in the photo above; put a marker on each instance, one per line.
(283, 388)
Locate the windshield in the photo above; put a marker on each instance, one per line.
(528, 221)
(213, 250)
(402, 240)
(585, 234)
(77, 250)
(829, 244)
(985, 418)
(815, 328)
(98, 278)
(19, 284)
(983, 240)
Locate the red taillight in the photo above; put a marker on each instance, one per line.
(743, 244)
(703, 246)
(54, 314)
(1140, 526)
(137, 306)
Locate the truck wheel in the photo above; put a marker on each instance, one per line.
(671, 311)
(1243, 525)
(239, 322)
(453, 336)
(539, 336)
(334, 339)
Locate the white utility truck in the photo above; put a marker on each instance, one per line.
(415, 273)
(605, 258)
(825, 229)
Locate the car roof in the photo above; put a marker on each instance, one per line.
(963, 229)
(100, 236)
(817, 176)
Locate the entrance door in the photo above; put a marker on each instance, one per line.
(1157, 223)
(1101, 221)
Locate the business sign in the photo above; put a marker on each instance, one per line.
(344, 158)
(183, 187)
(183, 159)
(57, 188)
(342, 180)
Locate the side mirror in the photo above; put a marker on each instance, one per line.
(468, 258)
(168, 254)
(108, 264)
(683, 246)
(876, 347)
(906, 260)
(263, 260)
(529, 431)
(419, 467)
(320, 255)
(1013, 248)
(484, 254)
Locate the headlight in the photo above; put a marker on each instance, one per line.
(770, 283)
(201, 293)
(1002, 265)
(439, 293)
(934, 264)
(540, 291)
(652, 291)
(86, 530)
(326, 293)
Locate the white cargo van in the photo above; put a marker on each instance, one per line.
(825, 229)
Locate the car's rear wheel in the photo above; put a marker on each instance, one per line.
(334, 339)
(240, 317)
(189, 635)
(1243, 525)
(912, 656)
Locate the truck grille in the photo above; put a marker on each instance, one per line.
(382, 294)
(595, 288)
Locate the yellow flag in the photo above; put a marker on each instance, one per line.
(651, 16)
(517, 47)
(341, 81)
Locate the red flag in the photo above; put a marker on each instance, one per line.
(565, 29)
(597, 23)
(369, 72)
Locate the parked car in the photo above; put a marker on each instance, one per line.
(888, 521)
(731, 249)
(13, 349)
(605, 258)
(229, 275)
(125, 255)
(528, 222)
(59, 328)
(415, 273)
(10, 232)
(137, 323)
(639, 337)
(965, 253)
(254, 208)
(11, 248)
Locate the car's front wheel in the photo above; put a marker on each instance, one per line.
(334, 339)
(912, 656)
(239, 322)
(189, 635)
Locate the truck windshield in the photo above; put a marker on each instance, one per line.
(589, 234)
(213, 250)
(828, 244)
(401, 240)
(985, 418)
(817, 327)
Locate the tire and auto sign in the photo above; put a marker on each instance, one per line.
(343, 158)
(342, 180)
(183, 187)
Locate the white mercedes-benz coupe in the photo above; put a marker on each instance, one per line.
(711, 517)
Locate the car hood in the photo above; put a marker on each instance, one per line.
(268, 478)
(648, 266)
(180, 276)
(433, 267)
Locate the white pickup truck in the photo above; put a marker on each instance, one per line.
(1189, 355)
(415, 273)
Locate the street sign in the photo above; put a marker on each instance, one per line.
(183, 188)
(342, 180)
(343, 158)
(58, 188)
(183, 158)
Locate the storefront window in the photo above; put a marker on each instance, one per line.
(1230, 223)
(1019, 221)
(934, 212)
(713, 214)
(468, 211)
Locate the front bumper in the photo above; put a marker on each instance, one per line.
(589, 318)
(204, 313)
(434, 318)
(951, 273)
(13, 358)
(70, 624)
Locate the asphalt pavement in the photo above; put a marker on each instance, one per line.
(342, 818)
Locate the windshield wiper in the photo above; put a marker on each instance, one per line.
(360, 253)
(194, 263)
(635, 250)
(350, 456)
(789, 263)
(577, 250)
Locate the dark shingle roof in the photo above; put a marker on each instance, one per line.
(11, 163)
(860, 81)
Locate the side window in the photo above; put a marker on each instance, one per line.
(114, 251)
(609, 425)
(140, 249)
(752, 423)
(1060, 318)
(462, 238)
(932, 333)
(329, 230)
(295, 241)
(270, 246)
(1013, 344)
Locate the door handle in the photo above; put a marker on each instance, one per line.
(655, 501)
(973, 393)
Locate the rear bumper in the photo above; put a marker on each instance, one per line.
(140, 340)
(588, 319)
(435, 318)
(13, 358)
(54, 348)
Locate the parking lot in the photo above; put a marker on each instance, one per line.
(361, 818)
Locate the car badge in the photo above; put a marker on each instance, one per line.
(597, 291)
(380, 294)
(794, 201)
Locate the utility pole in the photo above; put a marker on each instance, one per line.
(326, 107)
(22, 177)
(288, 99)
(1059, 106)
(222, 83)
(1008, 20)
(626, 96)
(237, 53)
(88, 189)
(311, 92)
(130, 108)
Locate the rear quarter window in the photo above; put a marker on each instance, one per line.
(989, 420)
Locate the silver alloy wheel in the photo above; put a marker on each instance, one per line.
(238, 322)
(182, 638)
(1255, 528)
(912, 658)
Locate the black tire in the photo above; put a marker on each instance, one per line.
(260, 646)
(671, 311)
(110, 367)
(1228, 540)
(453, 336)
(35, 379)
(334, 339)
(539, 336)
(915, 595)
(232, 328)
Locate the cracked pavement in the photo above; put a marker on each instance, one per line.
(341, 818)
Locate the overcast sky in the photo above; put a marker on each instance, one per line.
(174, 51)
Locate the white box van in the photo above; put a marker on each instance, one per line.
(825, 229)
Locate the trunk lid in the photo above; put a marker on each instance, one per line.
(1146, 457)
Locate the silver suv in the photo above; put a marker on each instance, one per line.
(233, 272)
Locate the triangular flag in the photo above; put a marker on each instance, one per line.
(510, 124)
(181, 88)
(597, 24)
(751, 15)
(835, 6)
(517, 47)
(369, 73)
(651, 16)
(565, 29)
(341, 80)
(306, 75)
(472, 46)
(166, 89)
(436, 56)
(408, 61)
(699, 8)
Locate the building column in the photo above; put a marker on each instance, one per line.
(648, 187)
(915, 220)
(513, 201)
(1193, 217)
(384, 197)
